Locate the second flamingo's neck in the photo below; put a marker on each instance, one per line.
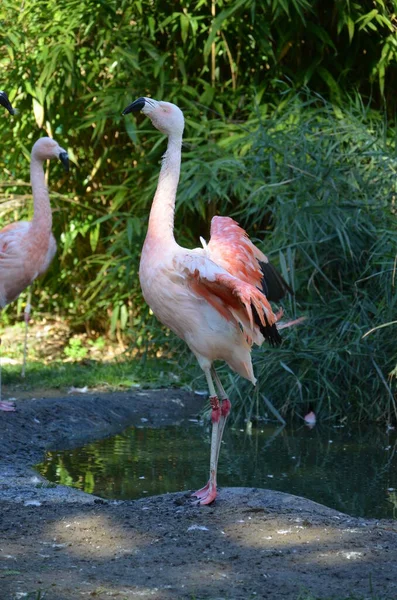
(161, 219)
(42, 218)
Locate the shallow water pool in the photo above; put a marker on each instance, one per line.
(353, 470)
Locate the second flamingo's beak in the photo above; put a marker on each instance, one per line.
(135, 106)
(6, 103)
(64, 158)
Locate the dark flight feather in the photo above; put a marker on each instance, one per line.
(269, 332)
(273, 285)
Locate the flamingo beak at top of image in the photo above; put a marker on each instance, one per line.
(4, 101)
(135, 106)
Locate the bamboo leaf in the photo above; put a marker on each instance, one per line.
(94, 236)
(114, 319)
(321, 34)
(350, 27)
(184, 27)
(365, 20)
(218, 23)
(38, 111)
(123, 316)
(330, 81)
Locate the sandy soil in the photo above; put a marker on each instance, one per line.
(249, 544)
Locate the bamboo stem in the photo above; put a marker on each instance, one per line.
(213, 55)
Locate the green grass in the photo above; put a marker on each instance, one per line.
(117, 375)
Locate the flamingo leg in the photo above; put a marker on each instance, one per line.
(207, 494)
(219, 415)
(26, 319)
(225, 410)
(5, 406)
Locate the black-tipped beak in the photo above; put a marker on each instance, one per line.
(136, 106)
(64, 158)
(6, 103)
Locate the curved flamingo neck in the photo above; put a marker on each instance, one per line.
(42, 217)
(161, 219)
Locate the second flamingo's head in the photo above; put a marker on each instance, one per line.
(46, 148)
(165, 116)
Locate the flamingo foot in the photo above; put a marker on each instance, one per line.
(207, 494)
(7, 406)
(210, 497)
(202, 492)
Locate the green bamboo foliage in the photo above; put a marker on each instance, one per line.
(328, 197)
(314, 181)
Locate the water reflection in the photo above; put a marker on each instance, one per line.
(352, 470)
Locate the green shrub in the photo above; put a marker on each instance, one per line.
(323, 200)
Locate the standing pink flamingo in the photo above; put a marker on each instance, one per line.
(4, 101)
(28, 247)
(214, 298)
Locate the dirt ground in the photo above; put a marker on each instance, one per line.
(250, 544)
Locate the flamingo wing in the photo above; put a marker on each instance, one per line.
(231, 248)
(234, 299)
(16, 271)
(19, 247)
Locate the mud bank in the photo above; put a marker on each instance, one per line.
(249, 544)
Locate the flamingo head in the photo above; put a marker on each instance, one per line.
(46, 148)
(4, 101)
(165, 116)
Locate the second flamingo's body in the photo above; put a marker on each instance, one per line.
(212, 297)
(28, 247)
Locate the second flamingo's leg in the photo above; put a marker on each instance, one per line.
(207, 494)
(26, 316)
(5, 406)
